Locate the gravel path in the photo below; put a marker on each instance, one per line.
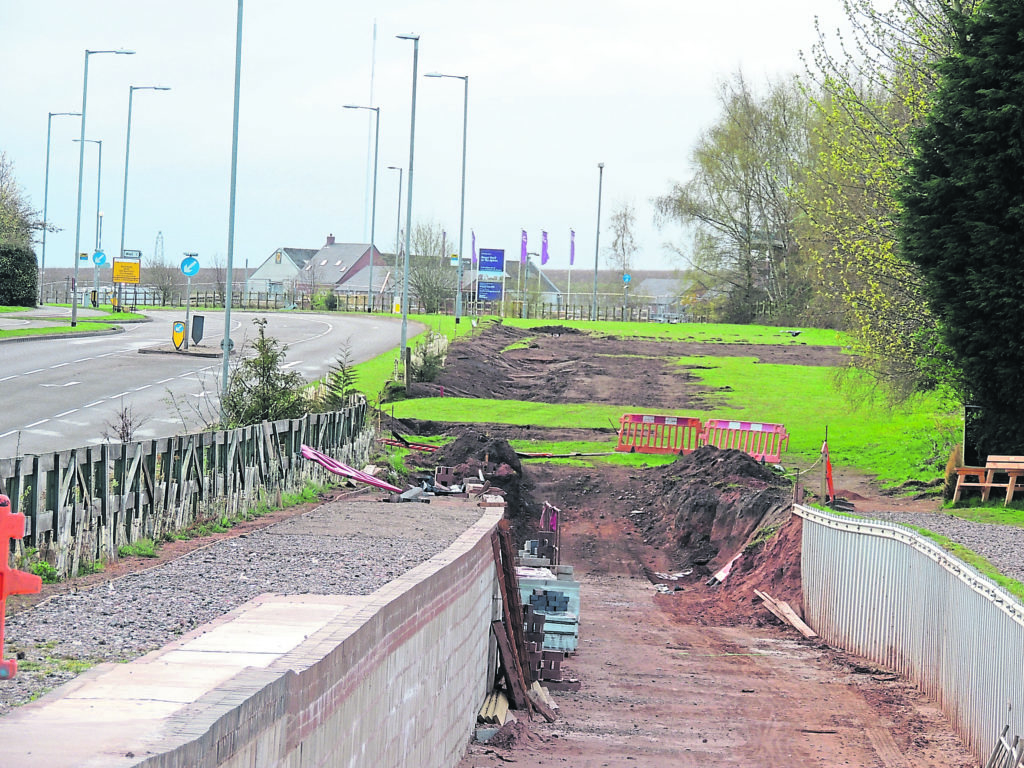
(340, 548)
(1001, 545)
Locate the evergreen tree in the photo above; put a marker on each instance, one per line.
(963, 220)
(260, 389)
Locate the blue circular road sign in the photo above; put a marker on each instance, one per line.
(99, 258)
(626, 278)
(189, 266)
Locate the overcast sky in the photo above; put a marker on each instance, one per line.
(555, 88)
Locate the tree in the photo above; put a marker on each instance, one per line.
(19, 275)
(963, 217)
(739, 205)
(260, 389)
(867, 99)
(340, 383)
(431, 278)
(18, 220)
(623, 247)
(165, 277)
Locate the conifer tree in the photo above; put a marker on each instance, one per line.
(963, 219)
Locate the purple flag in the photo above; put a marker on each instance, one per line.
(471, 232)
(572, 246)
(522, 250)
(543, 247)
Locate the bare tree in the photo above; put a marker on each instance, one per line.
(431, 278)
(165, 277)
(623, 248)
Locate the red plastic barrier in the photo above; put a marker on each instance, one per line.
(762, 441)
(643, 433)
(12, 582)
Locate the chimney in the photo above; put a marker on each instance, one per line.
(330, 240)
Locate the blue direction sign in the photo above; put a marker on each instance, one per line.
(487, 290)
(492, 260)
(189, 266)
(99, 258)
(626, 278)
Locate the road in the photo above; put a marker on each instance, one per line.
(60, 393)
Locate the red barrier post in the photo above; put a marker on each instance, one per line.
(12, 582)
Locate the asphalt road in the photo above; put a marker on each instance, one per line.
(60, 393)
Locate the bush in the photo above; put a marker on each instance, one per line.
(260, 389)
(19, 276)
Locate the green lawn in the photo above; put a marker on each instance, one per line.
(910, 442)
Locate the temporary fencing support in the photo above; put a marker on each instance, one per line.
(642, 433)
(82, 504)
(885, 593)
(764, 442)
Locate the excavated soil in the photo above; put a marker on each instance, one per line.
(676, 671)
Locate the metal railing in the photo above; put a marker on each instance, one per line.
(82, 504)
(885, 593)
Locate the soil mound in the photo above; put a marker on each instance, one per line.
(705, 506)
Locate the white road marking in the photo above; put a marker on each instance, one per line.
(58, 365)
(36, 423)
(8, 378)
(37, 370)
(122, 394)
(66, 413)
(289, 365)
(5, 434)
(83, 359)
(65, 384)
(90, 405)
(164, 381)
(144, 386)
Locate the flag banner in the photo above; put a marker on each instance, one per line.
(543, 247)
(473, 235)
(572, 246)
(522, 250)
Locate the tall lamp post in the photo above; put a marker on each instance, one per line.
(398, 218)
(597, 238)
(408, 206)
(81, 163)
(99, 213)
(225, 367)
(373, 205)
(127, 153)
(462, 204)
(46, 194)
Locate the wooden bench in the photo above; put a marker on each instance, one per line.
(1011, 467)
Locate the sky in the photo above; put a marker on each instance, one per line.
(555, 88)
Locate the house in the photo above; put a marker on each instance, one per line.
(337, 267)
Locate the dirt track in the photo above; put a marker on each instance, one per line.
(701, 676)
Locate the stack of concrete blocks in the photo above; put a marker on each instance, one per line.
(561, 611)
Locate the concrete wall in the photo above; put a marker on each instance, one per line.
(394, 680)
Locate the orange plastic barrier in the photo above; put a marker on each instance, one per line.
(642, 433)
(765, 442)
(12, 582)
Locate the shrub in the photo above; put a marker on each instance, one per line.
(19, 276)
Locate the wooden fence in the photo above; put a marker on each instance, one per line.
(82, 504)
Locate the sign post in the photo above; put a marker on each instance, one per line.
(625, 292)
(189, 267)
(490, 284)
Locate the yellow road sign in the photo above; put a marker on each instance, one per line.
(127, 270)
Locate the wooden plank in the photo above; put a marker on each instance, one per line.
(513, 681)
(516, 660)
(785, 613)
(508, 557)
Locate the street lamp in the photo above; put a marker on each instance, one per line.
(398, 218)
(46, 194)
(462, 204)
(99, 214)
(597, 239)
(408, 206)
(231, 219)
(127, 149)
(81, 163)
(373, 207)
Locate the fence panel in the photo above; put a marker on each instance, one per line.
(884, 592)
(82, 504)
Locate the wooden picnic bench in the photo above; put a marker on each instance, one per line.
(1011, 467)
